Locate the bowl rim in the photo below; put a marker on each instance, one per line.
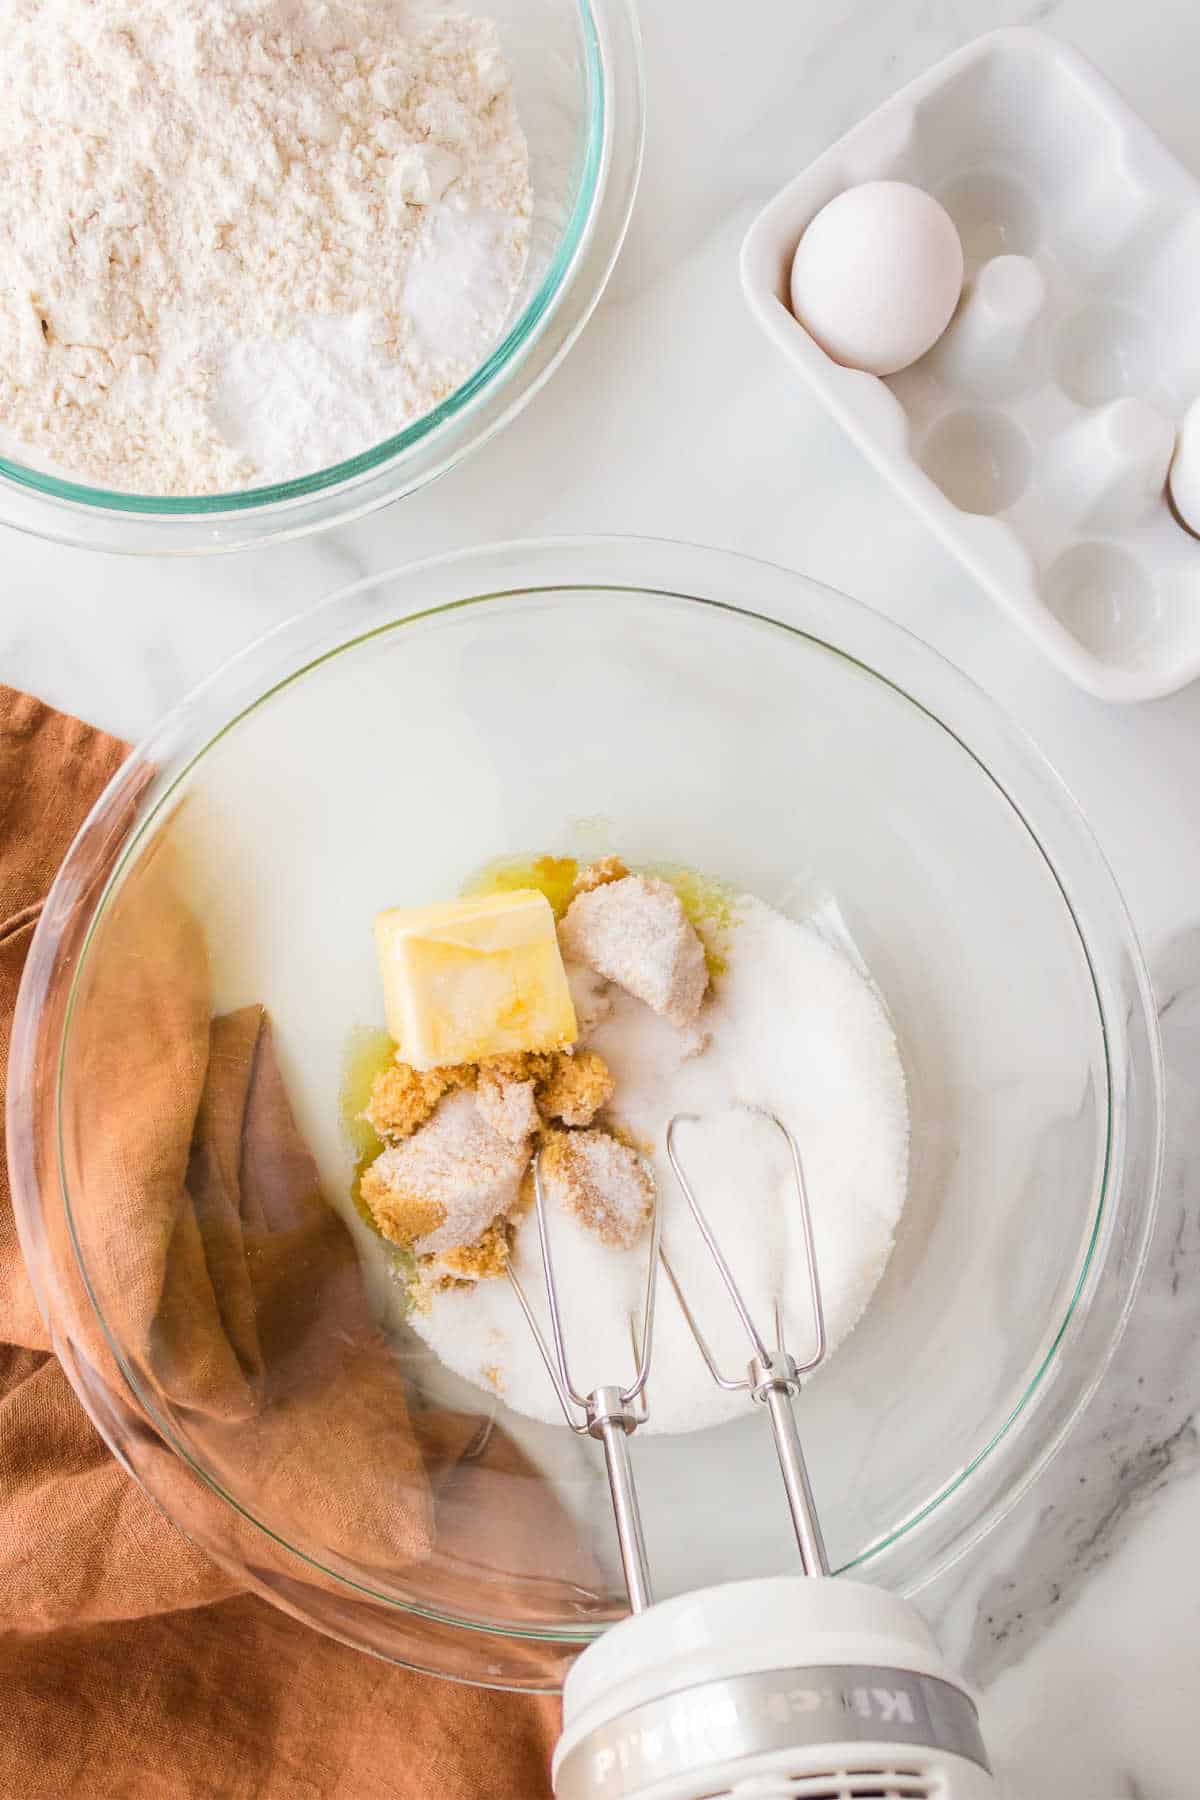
(609, 157)
(911, 1553)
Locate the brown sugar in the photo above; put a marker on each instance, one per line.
(455, 1173)
(403, 1098)
(402, 1217)
(634, 931)
(443, 1186)
(520, 1065)
(599, 874)
(601, 1181)
(569, 1086)
(463, 1266)
(482, 1260)
(576, 1088)
(454, 1160)
(508, 1106)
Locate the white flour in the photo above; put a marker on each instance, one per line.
(795, 1030)
(243, 239)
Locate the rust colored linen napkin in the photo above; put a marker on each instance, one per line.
(131, 1664)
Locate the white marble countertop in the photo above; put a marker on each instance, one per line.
(1081, 1616)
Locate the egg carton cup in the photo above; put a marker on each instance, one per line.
(1036, 436)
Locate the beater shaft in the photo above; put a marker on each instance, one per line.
(778, 1401)
(613, 1430)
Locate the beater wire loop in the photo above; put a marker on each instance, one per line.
(610, 1413)
(757, 1342)
(773, 1377)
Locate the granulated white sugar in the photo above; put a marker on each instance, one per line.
(795, 1029)
(591, 997)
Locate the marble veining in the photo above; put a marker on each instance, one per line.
(1140, 1431)
(1080, 1616)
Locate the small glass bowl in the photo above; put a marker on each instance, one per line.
(696, 708)
(577, 74)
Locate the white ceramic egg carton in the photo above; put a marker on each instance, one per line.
(1035, 436)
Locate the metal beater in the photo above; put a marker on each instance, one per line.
(758, 1688)
(774, 1375)
(610, 1413)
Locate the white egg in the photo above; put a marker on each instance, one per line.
(1185, 470)
(877, 275)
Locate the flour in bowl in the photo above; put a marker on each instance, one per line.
(243, 239)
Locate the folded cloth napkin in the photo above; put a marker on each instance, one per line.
(131, 1663)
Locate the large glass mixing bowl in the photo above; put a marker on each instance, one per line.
(577, 76)
(707, 710)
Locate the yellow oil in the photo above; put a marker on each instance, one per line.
(707, 903)
(553, 876)
(368, 1050)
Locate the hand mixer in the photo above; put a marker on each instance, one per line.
(790, 1688)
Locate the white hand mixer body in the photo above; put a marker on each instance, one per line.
(792, 1688)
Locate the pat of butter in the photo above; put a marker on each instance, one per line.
(474, 978)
